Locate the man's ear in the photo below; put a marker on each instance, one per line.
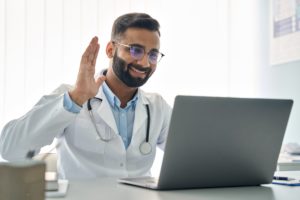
(110, 49)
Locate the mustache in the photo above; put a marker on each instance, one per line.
(139, 67)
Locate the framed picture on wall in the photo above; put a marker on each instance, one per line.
(285, 31)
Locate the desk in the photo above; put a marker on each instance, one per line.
(108, 188)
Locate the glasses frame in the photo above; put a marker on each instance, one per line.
(140, 46)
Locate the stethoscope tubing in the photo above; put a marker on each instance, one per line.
(148, 123)
(145, 147)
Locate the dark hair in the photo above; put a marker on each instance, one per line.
(133, 20)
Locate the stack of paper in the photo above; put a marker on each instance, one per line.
(55, 187)
(62, 189)
(51, 181)
(293, 182)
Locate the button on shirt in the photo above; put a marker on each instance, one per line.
(124, 117)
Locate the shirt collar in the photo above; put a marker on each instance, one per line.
(114, 100)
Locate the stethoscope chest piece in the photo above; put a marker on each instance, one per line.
(145, 148)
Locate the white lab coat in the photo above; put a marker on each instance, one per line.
(80, 154)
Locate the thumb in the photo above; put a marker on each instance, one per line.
(100, 80)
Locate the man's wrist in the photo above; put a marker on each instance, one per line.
(78, 99)
(70, 105)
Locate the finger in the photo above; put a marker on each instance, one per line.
(93, 51)
(96, 55)
(90, 50)
(94, 40)
(100, 80)
(93, 44)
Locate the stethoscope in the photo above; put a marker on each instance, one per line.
(145, 147)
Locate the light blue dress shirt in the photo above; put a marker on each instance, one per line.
(124, 117)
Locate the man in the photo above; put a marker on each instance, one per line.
(105, 126)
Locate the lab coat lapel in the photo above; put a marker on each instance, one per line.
(105, 112)
(140, 113)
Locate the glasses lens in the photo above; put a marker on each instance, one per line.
(136, 52)
(154, 56)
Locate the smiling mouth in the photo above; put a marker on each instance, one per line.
(137, 71)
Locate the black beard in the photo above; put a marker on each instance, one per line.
(121, 69)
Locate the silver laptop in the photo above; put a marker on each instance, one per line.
(220, 142)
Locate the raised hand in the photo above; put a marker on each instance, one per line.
(86, 85)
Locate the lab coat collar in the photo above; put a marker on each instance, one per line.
(140, 115)
(105, 111)
(140, 112)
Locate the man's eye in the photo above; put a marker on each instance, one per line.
(137, 50)
(153, 54)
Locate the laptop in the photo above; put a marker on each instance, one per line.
(220, 142)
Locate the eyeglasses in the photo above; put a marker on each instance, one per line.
(137, 52)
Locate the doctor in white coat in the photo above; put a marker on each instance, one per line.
(105, 126)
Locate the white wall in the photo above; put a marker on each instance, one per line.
(281, 81)
(251, 72)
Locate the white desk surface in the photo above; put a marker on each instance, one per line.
(108, 188)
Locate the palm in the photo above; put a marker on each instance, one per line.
(86, 86)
